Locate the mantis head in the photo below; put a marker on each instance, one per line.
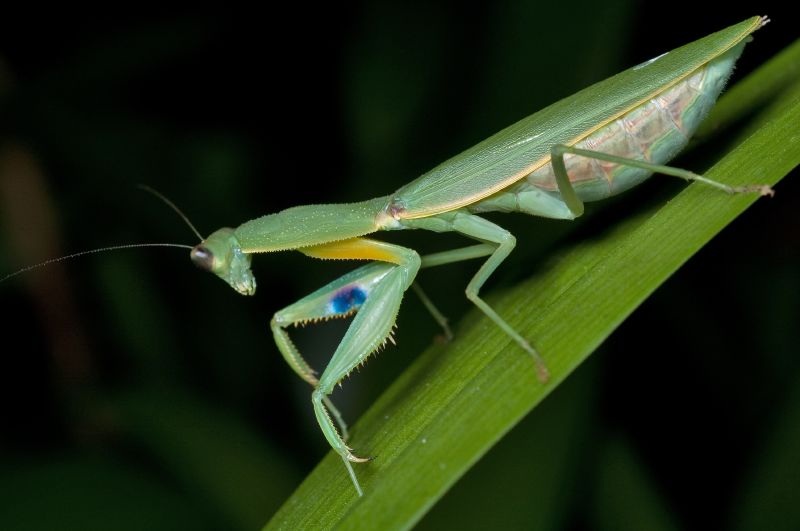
(222, 255)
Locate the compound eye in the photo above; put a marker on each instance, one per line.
(203, 258)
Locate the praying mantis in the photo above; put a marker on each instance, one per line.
(592, 145)
(587, 147)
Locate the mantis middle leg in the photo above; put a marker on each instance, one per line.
(498, 244)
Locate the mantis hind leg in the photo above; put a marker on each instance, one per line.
(557, 159)
(616, 174)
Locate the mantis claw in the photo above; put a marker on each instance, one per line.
(542, 373)
(354, 459)
(765, 190)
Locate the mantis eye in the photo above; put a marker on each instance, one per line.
(203, 258)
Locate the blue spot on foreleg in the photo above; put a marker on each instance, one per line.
(348, 299)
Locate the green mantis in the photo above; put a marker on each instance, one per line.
(592, 145)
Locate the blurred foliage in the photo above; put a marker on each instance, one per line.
(142, 393)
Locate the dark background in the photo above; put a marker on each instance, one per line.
(138, 392)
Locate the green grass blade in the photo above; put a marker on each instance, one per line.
(456, 401)
(540, 479)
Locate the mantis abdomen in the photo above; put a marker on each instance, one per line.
(654, 131)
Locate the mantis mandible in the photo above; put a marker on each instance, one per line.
(589, 146)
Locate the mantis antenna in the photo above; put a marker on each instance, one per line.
(92, 251)
(144, 187)
(172, 205)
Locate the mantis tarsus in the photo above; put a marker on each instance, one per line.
(589, 146)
